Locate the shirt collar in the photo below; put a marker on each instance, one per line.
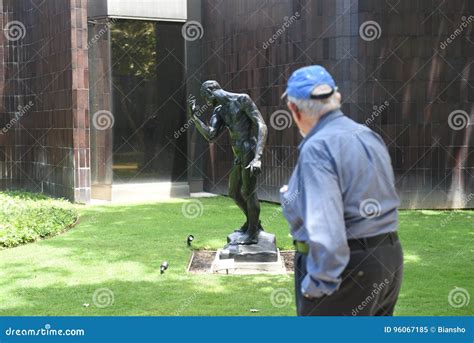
(325, 119)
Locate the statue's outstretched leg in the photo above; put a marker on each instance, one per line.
(249, 193)
(235, 186)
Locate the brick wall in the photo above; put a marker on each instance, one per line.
(45, 97)
(402, 83)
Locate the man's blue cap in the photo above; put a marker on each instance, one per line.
(302, 83)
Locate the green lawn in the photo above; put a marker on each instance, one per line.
(120, 248)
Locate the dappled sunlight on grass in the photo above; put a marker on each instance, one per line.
(431, 213)
(210, 243)
(411, 258)
(121, 247)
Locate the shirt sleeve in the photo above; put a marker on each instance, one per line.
(323, 216)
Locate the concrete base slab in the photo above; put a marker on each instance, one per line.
(230, 266)
(203, 195)
(140, 192)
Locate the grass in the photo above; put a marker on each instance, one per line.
(27, 217)
(120, 248)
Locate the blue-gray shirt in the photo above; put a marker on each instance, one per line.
(342, 187)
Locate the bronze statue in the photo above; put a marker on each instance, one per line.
(248, 133)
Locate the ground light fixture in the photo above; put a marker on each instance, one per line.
(190, 240)
(163, 267)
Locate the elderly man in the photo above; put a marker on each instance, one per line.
(342, 205)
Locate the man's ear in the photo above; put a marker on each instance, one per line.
(294, 110)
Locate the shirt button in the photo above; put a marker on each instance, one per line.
(360, 273)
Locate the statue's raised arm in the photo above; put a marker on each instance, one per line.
(209, 132)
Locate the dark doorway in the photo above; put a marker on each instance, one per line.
(148, 93)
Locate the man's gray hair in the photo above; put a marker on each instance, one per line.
(315, 107)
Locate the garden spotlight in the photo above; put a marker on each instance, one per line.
(163, 267)
(190, 240)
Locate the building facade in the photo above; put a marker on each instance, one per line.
(405, 70)
(93, 93)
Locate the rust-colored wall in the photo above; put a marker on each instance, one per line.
(44, 73)
(404, 84)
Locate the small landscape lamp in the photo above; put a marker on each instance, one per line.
(190, 240)
(163, 267)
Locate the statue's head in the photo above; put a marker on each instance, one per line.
(207, 91)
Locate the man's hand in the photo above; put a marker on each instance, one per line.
(255, 167)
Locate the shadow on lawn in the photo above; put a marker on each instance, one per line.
(22, 271)
(170, 297)
(120, 248)
(147, 234)
(151, 233)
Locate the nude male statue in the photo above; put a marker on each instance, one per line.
(248, 133)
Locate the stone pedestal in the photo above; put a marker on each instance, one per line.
(259, 258)
(264, 251)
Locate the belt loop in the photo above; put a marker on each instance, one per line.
(364, 243)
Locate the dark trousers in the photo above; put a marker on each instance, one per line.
(370, 284)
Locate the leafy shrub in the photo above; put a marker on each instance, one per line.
(26, 217)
